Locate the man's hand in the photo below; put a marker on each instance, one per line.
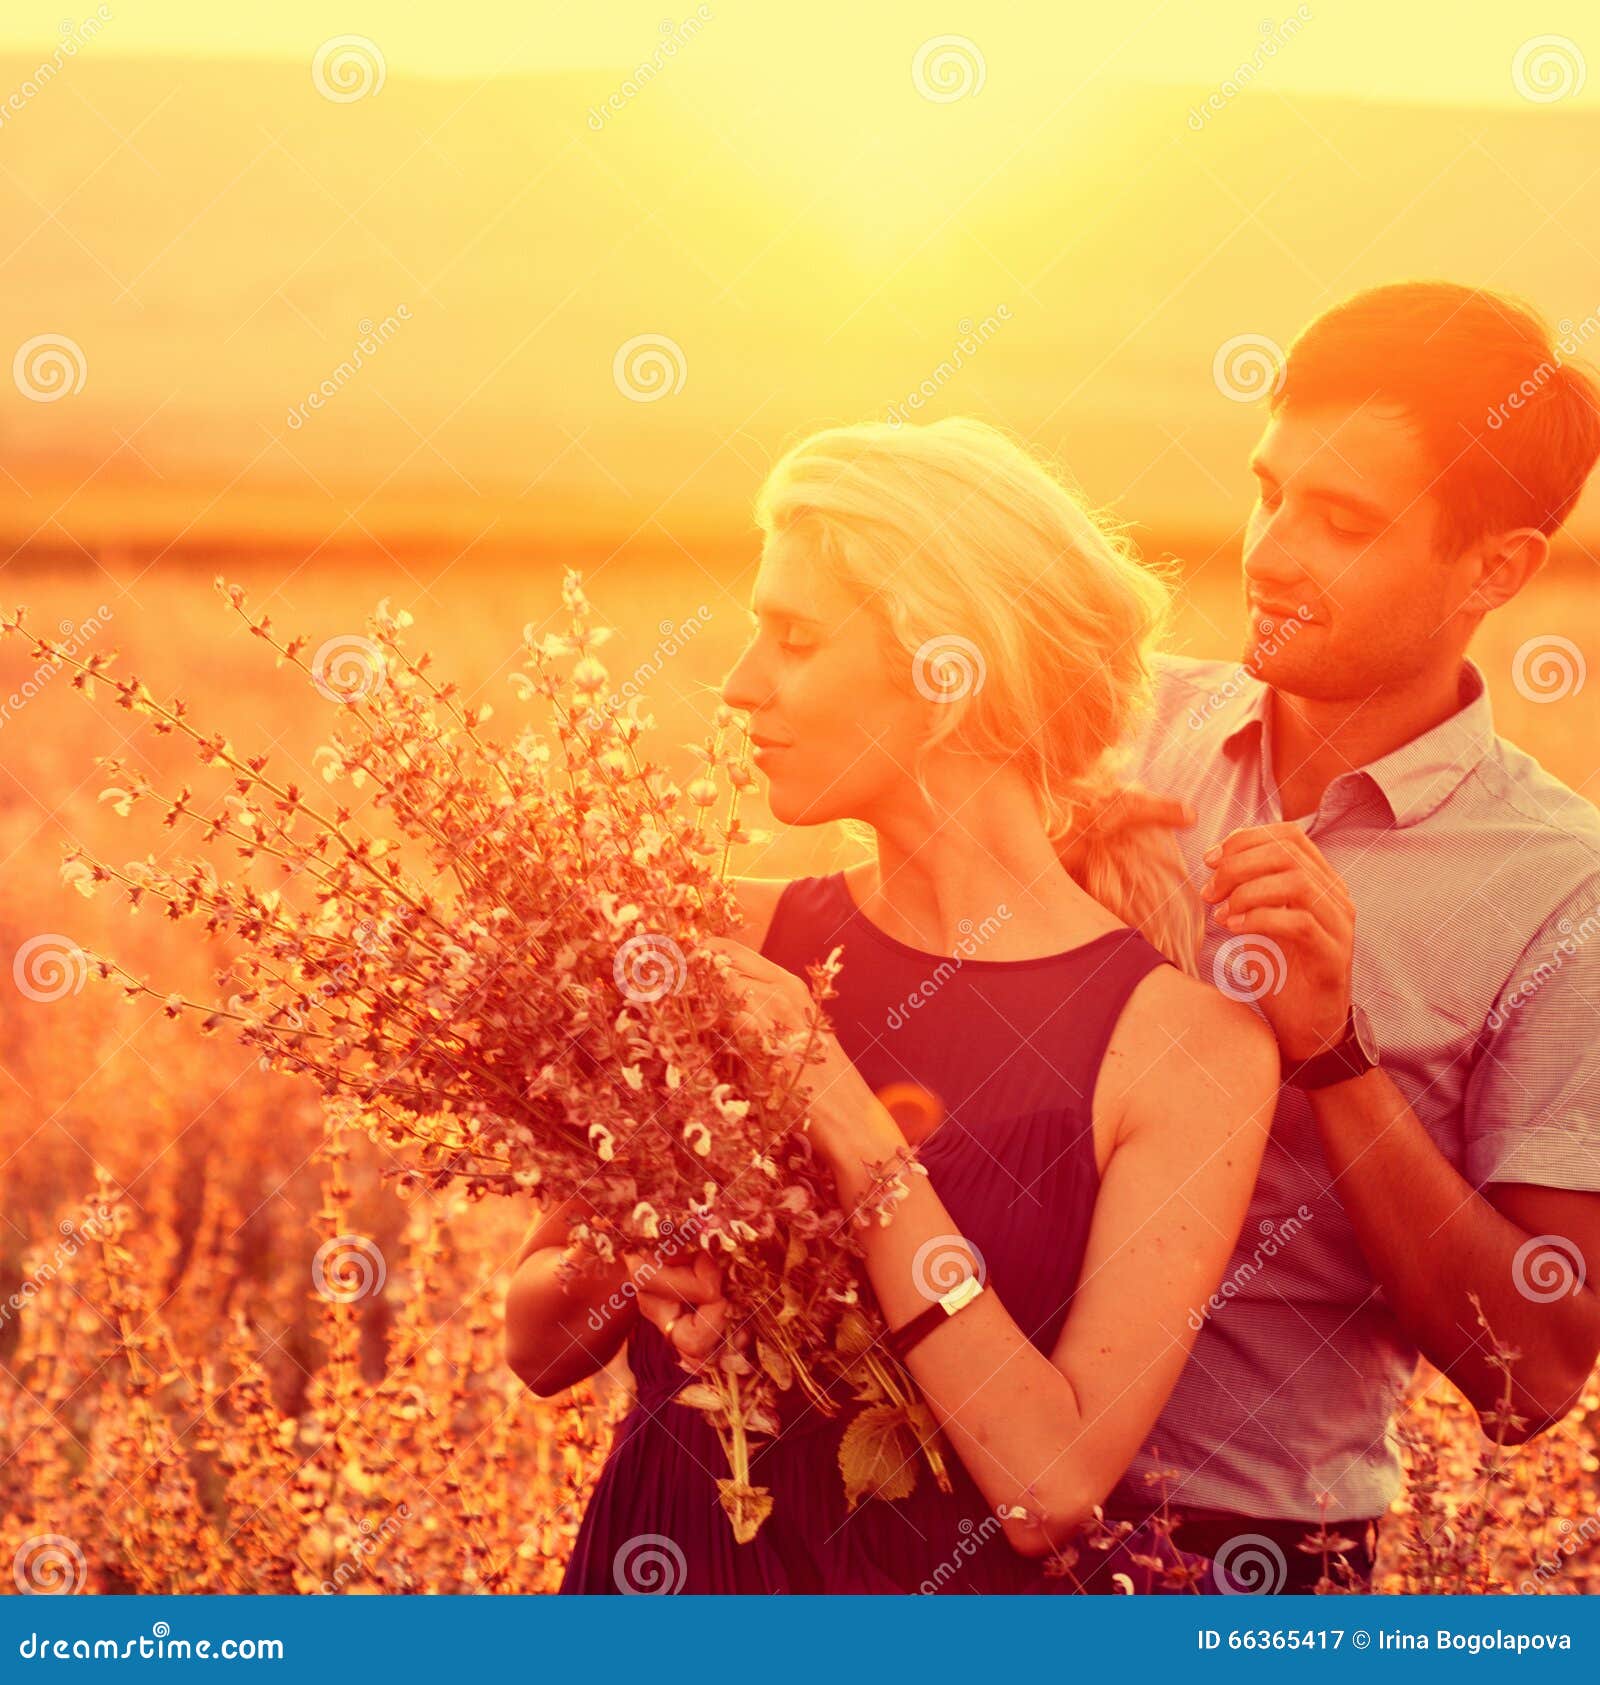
(1271, 882)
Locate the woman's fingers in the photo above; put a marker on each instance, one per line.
(677, 1281)
(698, 1332)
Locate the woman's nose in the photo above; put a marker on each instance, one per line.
(743, 687)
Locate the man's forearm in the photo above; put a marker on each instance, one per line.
(1431, 1239)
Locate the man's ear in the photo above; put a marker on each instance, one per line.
(1505, 563)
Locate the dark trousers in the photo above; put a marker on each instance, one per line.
(1242, 1562)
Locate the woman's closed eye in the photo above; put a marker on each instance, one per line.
(790, 637)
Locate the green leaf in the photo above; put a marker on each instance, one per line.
(775, 1364)
(698, 1396)
(745, 1506)
(877, 1455)
(854, 1335)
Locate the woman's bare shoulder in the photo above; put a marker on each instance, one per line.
(1180, 1037)
(758, 901)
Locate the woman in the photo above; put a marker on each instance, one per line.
(947, 648)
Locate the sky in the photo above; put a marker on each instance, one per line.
(1415, 52)
(1060, 218)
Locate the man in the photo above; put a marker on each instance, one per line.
(1414, 906)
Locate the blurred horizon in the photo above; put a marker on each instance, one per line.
(593, 326)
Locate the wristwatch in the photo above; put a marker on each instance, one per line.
(1355, 1055)
(901, 1340)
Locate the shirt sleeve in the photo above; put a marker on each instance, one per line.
(1533, 1100)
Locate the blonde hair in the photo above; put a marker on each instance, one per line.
(1033, 616)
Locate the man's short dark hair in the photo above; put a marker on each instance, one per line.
(1511, 426)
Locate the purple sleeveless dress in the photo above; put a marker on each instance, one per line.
(1009, 1049)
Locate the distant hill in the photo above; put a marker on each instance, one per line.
(214, 235)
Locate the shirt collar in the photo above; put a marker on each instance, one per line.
(1415, 778)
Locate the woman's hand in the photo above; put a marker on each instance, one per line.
(847, 1122)
(683, 1300)
(774, 998)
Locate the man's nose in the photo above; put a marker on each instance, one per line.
(1266, 559)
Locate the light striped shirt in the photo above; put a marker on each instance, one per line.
(1476, 881)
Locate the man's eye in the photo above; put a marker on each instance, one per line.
(1346, 531)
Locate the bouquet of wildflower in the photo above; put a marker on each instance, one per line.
(495, 963)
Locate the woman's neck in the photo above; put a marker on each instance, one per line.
(982, 864)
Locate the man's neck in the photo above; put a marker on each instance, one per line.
(1314, 741)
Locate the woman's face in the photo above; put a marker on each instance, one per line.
(834, 724)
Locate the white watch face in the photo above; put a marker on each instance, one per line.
(1365, 1037)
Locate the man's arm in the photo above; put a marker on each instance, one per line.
(1430, 1237)
(1530, 1254)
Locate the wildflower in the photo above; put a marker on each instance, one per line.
(735, 1111)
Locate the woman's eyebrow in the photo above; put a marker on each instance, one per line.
(776, 611)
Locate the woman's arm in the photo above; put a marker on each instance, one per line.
(1047, 1437)
(558, 1335)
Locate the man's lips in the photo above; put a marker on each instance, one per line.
(1283, 611)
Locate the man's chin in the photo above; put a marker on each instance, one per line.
(1275, 667)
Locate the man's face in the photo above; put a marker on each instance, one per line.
(1346, 589)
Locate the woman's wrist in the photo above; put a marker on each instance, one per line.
(857, 1135)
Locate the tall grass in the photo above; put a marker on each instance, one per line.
(231, 1358)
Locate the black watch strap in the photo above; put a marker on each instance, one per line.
(901, 1340)
(1334, 1064)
